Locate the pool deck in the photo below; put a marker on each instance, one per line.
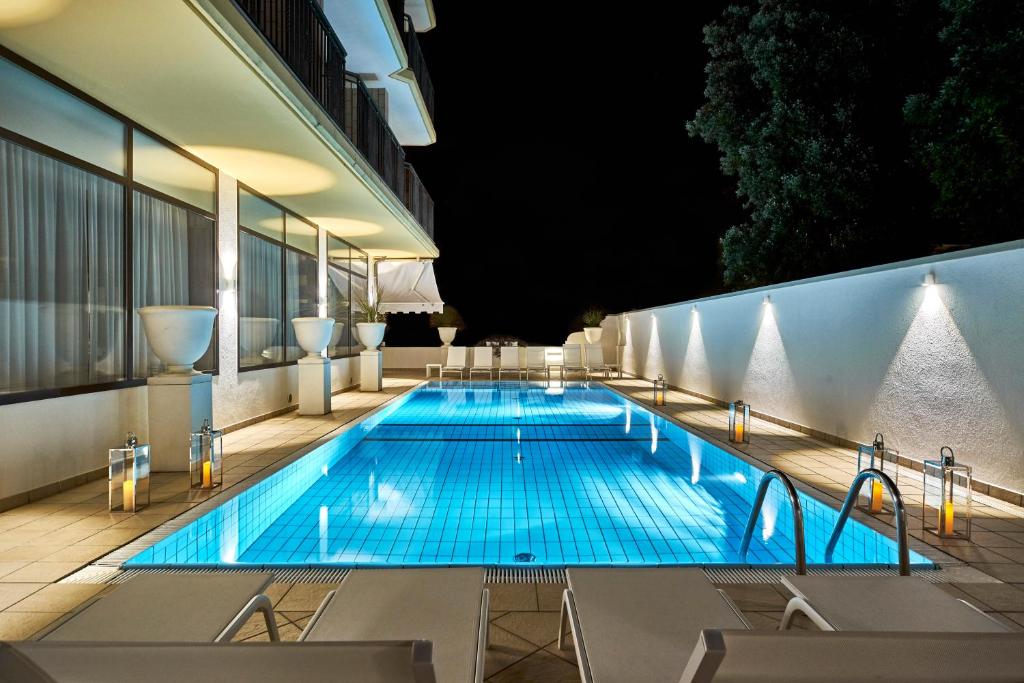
(47, 540)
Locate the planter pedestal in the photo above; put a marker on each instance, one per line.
(314, 386)
(371, 370)
(178, 404)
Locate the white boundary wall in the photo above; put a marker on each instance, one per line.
(863, 352)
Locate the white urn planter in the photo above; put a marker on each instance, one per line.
(255, 335)
(371, 334)
(447, 335)
(178, 335)
(593, 334)
(313, 334)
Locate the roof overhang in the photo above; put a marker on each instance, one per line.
(408, 287)
(197, 73)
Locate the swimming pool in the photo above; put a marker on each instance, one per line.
(510, 474)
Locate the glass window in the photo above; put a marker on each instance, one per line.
(43, 112)
(259, 301)
(62, 320)
(300, 296)
(339, 307)
(259, 215)
(165, 170)
(301, 235)
(173, 264)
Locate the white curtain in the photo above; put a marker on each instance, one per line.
(259, 298)
(160, 268)
(61, 274)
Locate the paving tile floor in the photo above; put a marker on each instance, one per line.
(46, 540)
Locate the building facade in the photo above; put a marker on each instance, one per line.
(228, 153)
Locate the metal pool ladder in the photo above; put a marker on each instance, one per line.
(898, 509)
(798, 518)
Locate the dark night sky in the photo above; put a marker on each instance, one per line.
(563, 173)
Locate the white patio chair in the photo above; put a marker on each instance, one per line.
(891, 603)
(509, 361)
(637, 624)
(483, 361)
(162, 608)
(456, 361)
(537, 361)
(572, 361)
(595, 361)
(447, 606)
(849, 657)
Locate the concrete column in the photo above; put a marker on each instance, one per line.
(314, 386)
(371, 370)
(178, 405)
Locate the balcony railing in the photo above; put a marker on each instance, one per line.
(418, 64)
(417, 200)
(302, 35)
(369, 131)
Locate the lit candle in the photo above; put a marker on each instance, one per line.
(876, 496)
(946, 518)
(739, 431)
(128, 495)
(207, 475)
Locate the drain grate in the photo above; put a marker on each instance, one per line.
(719, 575)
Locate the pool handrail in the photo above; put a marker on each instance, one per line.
(903, 547)
(798, 517)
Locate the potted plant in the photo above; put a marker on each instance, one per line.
(447, 322)
(371, 330)
(592, 318)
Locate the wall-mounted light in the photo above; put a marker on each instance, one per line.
(767, 300)
(928, 280)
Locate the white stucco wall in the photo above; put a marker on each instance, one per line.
(863, 352)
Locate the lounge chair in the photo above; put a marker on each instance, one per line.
(638, 624)
(805, 656)
(381, 662)
(572, 360)
(890, 603)
(456, 361)
(447, 606)
(595, 361)
(509, 361)
(171, 608)
(483, 361)
(537, 361)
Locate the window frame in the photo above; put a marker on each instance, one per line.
(352, 274)
(128, 186)
(282, 336)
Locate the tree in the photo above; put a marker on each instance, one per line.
(969, 129)
(804, 102)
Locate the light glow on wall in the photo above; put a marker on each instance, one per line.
(271, 173)
(696, 367)
(768, 370)
(931, 372)
(25, 12)
(654, 364)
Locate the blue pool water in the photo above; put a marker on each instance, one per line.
(510, 474)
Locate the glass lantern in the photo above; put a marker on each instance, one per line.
(128, 476)
(739, 422)
(946, 507)
(660, 387)
(874, 456)
(205, 468)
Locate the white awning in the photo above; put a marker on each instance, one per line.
(409, 287)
